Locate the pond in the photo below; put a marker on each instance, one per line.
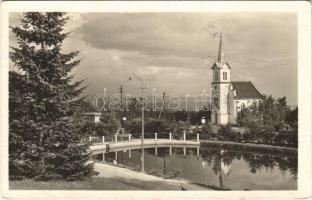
(214, 166)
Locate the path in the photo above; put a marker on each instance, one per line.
(109, 171)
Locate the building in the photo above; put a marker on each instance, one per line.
(229, 97)
(94, 117)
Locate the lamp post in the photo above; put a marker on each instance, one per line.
(142, 134)
(124, 120)
(203, 120)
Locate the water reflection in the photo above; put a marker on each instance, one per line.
(215, 166)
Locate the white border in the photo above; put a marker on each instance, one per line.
(303, 10)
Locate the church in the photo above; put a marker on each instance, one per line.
(229, 97)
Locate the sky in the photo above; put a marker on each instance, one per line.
(174, 52)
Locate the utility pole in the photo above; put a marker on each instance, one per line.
(142, 135)
(210, 100)
(164, 106)
(162, 112)
(121, 91)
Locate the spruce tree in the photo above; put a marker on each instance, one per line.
(43, 137)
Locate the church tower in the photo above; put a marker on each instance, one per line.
(220, 88)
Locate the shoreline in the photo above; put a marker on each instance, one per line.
(258, 146)
(112, 171)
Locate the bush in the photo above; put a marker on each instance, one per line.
(225, 132)
(98, 129)
(151, 126)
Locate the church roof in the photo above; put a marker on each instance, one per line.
(220, 65)
(246, 90)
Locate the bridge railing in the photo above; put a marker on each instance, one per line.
(92, 140)
(151, 135)
(96, 140)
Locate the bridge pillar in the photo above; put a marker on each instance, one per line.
(116, 156)
(116, 140)
(184, 151)
(170, 150)
(129, 137)
(155, 136)
(197, 151)
(103, 139)
(90, 139)
(103, 159)
(184, 138)
(156, 151)
(197, 137)
(129, 153)
(170, 136)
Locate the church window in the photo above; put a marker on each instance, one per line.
(224, 76)
(216, 87)
(216, 78)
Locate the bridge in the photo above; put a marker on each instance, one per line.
(130, 141)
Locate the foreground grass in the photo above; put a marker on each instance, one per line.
(96, 183)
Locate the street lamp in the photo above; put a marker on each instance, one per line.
(203, 120)
(142, 134)
(124, 120)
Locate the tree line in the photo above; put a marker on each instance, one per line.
(270, 122)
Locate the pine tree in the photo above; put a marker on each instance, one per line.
(43, 138)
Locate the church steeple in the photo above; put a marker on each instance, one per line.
(221, 52)
(221, 88)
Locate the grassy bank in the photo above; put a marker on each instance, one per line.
(96, 183)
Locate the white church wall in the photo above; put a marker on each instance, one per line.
(224, 98)
(226, 69)
(231, 108)
(223, 118)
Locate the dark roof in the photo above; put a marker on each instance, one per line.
(246, 90)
